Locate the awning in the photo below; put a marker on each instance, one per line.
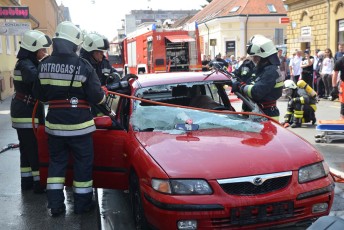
(180, 38)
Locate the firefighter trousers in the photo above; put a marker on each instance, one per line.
(81, 147)
(29, 163)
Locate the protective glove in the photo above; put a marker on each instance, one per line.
(106, 91)
(238, 86)
(334, 93)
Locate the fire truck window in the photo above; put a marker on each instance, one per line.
(159, 62)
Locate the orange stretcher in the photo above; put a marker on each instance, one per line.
(330, 130)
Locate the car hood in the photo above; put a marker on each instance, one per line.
(225, 153)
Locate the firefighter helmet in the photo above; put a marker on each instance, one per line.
(94, 41)
(261, 46)
(70, 32)
(289, 84)
(34, 40)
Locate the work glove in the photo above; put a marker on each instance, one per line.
(334, 93)
(238, 86)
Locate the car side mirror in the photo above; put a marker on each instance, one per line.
(103, 122)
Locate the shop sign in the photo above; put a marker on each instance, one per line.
(306, 31)
(14, 28)
(14, 12)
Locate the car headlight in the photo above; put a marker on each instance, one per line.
(312, 172)
(182, 186)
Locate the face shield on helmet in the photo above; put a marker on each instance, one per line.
(70, 32)
(94, 41)
(264, 48)
(34, 40)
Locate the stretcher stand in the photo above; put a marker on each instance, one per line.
(331, 130)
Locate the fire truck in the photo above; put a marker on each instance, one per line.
(154, 49)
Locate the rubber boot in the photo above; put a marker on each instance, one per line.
(296, 123)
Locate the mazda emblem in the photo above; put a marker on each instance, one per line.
(257, 181)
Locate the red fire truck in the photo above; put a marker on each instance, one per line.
(154, 49)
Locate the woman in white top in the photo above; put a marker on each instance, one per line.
(326, 71)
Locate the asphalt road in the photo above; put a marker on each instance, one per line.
(25, 210)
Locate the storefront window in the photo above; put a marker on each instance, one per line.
(340, 31)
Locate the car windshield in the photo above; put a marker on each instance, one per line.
(152, 117)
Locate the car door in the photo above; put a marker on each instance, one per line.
(110, 160)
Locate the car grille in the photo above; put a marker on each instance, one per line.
(257, 184)
(247, 188)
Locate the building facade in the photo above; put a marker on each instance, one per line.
(316, 24)
(44, 20)
(225, 26)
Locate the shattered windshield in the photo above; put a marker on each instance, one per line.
(152, 117)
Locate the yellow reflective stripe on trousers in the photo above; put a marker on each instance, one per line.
(302, 100)
(55, 180)
(59, 82)
(69, 127)
(23, 120)
(298, 113)
(36, 176)
(314, 107)
(55, 183)
(83, 187)
(25, 169)
(26, 172)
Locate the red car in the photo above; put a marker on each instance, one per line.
(191, 168)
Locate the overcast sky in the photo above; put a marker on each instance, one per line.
(104, 16)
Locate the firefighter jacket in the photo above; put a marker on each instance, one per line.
(268, 85)
(67, 114)
(100, 67)
(25, 73)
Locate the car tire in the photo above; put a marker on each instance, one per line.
(136, 203)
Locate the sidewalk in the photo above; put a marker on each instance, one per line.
(26, 210)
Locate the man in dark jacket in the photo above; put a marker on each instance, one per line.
(218, 62)
(69, 84)
(268, 84)
(32, 49)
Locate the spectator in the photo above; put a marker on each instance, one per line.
(205, 63)
(340, 52)
(283, 67)
(218, 61)
(307, 68)
(326, 72)
(295, 66)
(319, 80)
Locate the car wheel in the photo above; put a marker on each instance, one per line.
(136, 203)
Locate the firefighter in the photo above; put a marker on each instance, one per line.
(93, 50)
(68, 84)
(268, 83)
(301, 105)
(32, 49)
(338, 71)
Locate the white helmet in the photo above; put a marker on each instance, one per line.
(70, 32)
(94, 41)
(290, 84)
(34, 40)
(261, 46)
